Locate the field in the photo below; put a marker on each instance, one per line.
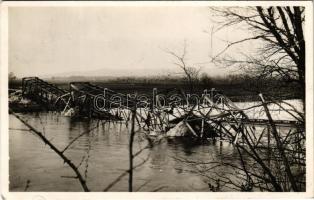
(236, 90)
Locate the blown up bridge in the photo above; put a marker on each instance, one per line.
(204, 116)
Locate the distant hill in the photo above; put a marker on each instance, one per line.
(113, 72)
(114, 79)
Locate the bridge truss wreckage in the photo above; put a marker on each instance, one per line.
(212, 115)
(272, 142)
(48, 95)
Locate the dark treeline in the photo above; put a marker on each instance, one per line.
(236, 87)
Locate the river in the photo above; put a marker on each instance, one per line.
(35, 167)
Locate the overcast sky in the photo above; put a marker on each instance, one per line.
(106, 41)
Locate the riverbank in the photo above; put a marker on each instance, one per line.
(19, 104)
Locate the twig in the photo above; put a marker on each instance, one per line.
(57, 151)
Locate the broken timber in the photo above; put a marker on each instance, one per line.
(216, 115)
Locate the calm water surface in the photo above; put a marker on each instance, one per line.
(106, 150)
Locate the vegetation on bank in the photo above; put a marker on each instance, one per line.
(236, 87)
(277, 72)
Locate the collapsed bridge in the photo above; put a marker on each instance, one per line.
(203, 117)
(48, 95)
(212, 115)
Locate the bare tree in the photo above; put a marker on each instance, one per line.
(82, 177)
(60, 153)
(190, 73)
(131, 156)
(271, 159)
(278, 33)
(279, 30)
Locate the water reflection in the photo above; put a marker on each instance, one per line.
(107, 150)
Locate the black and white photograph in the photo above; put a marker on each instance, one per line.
(157, 97)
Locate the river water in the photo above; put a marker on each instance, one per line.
(103, 156)
(35, 167)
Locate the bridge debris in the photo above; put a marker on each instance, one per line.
(212, 115)
(47, 95)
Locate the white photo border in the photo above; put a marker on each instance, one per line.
(6, 194)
